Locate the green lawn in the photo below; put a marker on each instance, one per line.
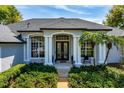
(29, 76)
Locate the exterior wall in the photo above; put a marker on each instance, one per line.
(11, 54)
(114, 55)
(0, 60)
(99, 51)
(96, 54)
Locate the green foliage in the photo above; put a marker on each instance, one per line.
(10, 74)
(40, 67)
(30, 76)
(115, 17)
(101, 38)
(96, 77)
(9, 14)
(36, 80)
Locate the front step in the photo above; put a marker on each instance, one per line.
(63, 69)
(63, 73)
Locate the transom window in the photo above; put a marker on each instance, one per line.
(37, 46)
(87, 49)
(62, 37)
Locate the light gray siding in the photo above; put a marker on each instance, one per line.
(114, 55)
(0, 59)
(96, 54)
(11, 54)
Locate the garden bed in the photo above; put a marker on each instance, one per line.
(96, 77)
(29, 76)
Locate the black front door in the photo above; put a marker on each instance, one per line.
(62, 50)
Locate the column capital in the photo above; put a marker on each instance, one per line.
(27, 37)
(49, 36)
(76, 36)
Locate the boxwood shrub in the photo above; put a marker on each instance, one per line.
(96, 77)
(10, 74)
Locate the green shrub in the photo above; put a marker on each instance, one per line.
(10, 74)
(96, 77)
(40, 67)
(29, 75)
(36, 80)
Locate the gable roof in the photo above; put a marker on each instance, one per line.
(38, 24)
(7, 36)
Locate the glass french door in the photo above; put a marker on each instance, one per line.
(62, 50)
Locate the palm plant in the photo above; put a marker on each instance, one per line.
(101, 38)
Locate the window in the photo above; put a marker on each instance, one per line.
(87, 49)
(62, 37)
(37, 46)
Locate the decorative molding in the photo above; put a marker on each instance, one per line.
(62, 32)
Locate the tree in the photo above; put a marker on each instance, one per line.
(115, 17)
(9, 14)
(101, 38)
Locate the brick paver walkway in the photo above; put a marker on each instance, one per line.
(62, 84)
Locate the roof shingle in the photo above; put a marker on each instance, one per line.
(56, 23)
(7, 36)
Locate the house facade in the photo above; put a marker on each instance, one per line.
(52, 41)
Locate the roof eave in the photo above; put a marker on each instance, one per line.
(76, 29)
(29, 31)
(41, 29)
(11, 42)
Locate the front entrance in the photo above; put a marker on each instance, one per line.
(62, 50)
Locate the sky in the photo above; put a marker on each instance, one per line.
(92, 13)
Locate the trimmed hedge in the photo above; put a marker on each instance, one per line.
(29, 76)
(10, 74)
(36, 80)
(96, 77)
(37, 76)
(40, 68)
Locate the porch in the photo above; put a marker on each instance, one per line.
(62, 46)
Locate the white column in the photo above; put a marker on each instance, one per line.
(46, 50)
(102, 53)
(76, 52)
(79, 52)
(28, 49)
(50, 51)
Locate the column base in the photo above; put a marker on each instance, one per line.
(50, 64)
(78, 64)
(27, 62)
(100, 62)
